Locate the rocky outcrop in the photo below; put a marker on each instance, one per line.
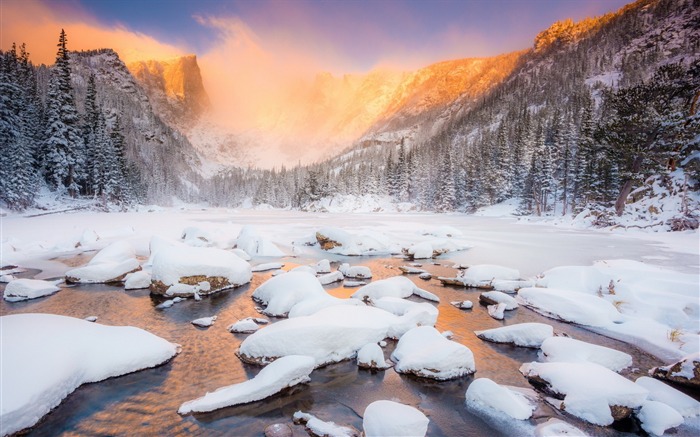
(685, 371)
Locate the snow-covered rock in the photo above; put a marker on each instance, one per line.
(323, 266)
(434, 248)
(657, 417)
(486, 393)
(311, 305)
(424, 352)
(509, 286)
(589, 390)
(685, 371)
(355, 272)
(463, 304)
(484, 276)
(318, 427)
(341, 242)
(388, 418)
(569, 350)
(679, 401)
(137, 280)
(242, 254)
(285, 372)
(90, 319)
(330, 278)
(410, 270)
(351, 284)
(281, 293)
(400, 307)
(497, 311)
(520, 334)
(75, 351)
(250, 241)
(397, 286)
(267, 266)
(421, 251)
(193, 265)
(246, 326)
(111, 264)
(425, 276)
(24, 289)
(557, 428)
(204, 322)
(371, 356)
(496, 297)
(570, 306)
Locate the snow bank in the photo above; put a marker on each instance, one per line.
(588, 389)
(397, 286)
(250, 241)
(192, 265)
(137, 280)
(75, 351)
(24, 289)
(521, 334)
(679, 401)
(570, 306)
(341, 242)
(281, 293)
(387, 418)
(569, 350)
(284, 372)
(486, 393)
(424, 352)
(371, 356)
(111, 264)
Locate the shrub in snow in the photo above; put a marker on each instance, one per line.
(397, 286)
(483, 392)
(685, 371)
(204, 322)
(371, 356)
(193, 265)
(283, 373)
(317, 427)
(590, 391)
(424, 352)
(497, 311)
(111, 264)
(387, 418)
(355, 272)
(137, 280)
(496, 297)
(24, 289)
(520, 334)
(281, 293)
(555, 427)
(679, 401)
(255, 245)
(657, 417)
(564, 349)
(570, 306)
(75, 351)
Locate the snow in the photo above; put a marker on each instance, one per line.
(499, 297)
(254, 244)
(564, 349)
(661, 392)
(341, 242)
(570, 306)
(387, 418)
(424, 352)
(557, 428)
(110, 264)
(657, 417)
(76, 351)
(241, 254)
(318, 427)
(489, 272)
(245, 326)
(397, 286)
(351, 284)
(355, 272)
(281, 293)
(400, 306)
(497, 311)
(180, 261)
(24, 289)
(204, 322)
(267, 266)
(521, 334)
(421, 250)
(323, 266)
(486, 393)
(589, 389)
(425, 276)
(330, 335)
(137, 280)
(371, 356)
(285, 372)
(435, 247)
(330, 278)
(463, 304)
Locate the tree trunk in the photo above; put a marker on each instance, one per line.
(627, 187)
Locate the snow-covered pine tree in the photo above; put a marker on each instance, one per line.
(445, 199)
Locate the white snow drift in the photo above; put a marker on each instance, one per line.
(397, 286)
(483, 392)
(521, 334)
(569, 350)
(388, 418)
(111, 264)
(24, 289)
(570, 306)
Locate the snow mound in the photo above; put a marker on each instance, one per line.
(204, 322)
(588, 389)
(330, 278)
(111, 264)
(397, 286)
(521, 334)
(137, 280)
(246, 326)
(267, 266)
(284, 372)
(497, 311)
(318, 427)
(281, 293)
(323, 266)
(424, 352)
(679, 401)
(400, 306)
(486, 393)
(569, 350)
(31, 342)
(24, 289)
(371, 356)
(558, 428)
(341, 242)
(463, 304)
(434, 248)
(570, 306)
(387, 418)
(496, 297)
(355, 272)
(254, 244)
(192, 265)
(657, 417)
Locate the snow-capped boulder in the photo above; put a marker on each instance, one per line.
(371, 356)
(111, 264)
(24, 289)
(198, 237)
(241, 254)
(520, 334)
(317, 427)
(433, 248)
(400, 307)
(194, 265)
(496, 297)
(137, 280)
(355, 272)
(246, 326)
(463, 304)
(497, 311)
(589, 391)
(388, 418)
(661, 392)
(557, 428)
(323, 267)
(421, 251)
(685, 371)
(75, 351)
(204, 322)
(330, 278)
(657, 417)
(570, 306)
(266, 266)
(483, 392)
(424, 352)
(250, 241)
(483, 276)
(341, 242)
(569, 350)
(283, 373)
(280, 293)
(311, 305)
(397, 286)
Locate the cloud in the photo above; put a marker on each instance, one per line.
(38, 24)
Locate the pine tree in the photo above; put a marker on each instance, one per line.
(445, 199)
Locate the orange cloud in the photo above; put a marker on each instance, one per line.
(38, 25)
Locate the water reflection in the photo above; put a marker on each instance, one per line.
(146, 402)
